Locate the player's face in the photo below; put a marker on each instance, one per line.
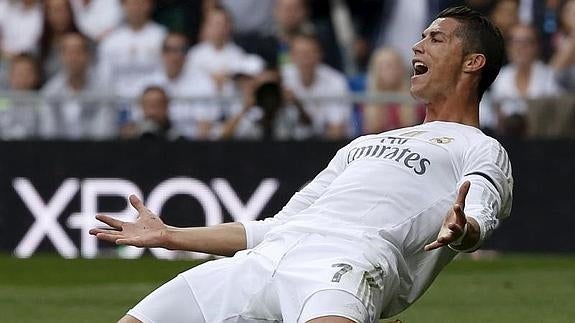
(438, 61)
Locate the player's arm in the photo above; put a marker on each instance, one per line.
(224, 239)
(458, 230)
(483, 200)
(150, 231)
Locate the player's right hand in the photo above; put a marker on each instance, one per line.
(147, 231)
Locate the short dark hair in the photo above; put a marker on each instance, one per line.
(86, 42)
(176, 34)
(155, 88)
(481, 36)
(28, 58)
(309, 36)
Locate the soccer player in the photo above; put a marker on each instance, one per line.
(371, 232)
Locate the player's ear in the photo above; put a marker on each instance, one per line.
(473, 63)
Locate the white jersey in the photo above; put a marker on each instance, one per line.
(128, 57)
(387, 194)
(230, 59)
(97, 17)
(330, 85)
(66, 116)
(20, 28)
(542, 83)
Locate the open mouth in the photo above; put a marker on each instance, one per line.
(419, 68)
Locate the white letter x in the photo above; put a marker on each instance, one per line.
(46, 218)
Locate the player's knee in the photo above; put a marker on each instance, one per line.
(129, 319)
(330, 319)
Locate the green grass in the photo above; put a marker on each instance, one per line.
(512, 288)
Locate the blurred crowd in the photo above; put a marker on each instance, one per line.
(253, 69)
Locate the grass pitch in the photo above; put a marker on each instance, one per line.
(511, 288)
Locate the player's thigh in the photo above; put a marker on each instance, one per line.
(173, 302)
(129, 319)
(334, 305)
(330, 319)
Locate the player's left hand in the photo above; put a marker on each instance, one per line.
(454, 222)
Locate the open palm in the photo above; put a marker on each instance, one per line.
(454, 222)
(147, 231)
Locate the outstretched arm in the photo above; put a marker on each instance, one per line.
(150, 231)
(460, 231)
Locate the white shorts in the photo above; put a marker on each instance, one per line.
(294, 278)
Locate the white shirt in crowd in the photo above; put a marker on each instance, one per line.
(20, 28)
(98, 17)
(329, 84)
(18, 118)
(386, 197)
(184, 113)
(128, 57)
(71, 114)
(487, 115)
(251, 15)
(230, 59)
(505, 93)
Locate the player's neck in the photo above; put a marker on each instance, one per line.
(459, 108)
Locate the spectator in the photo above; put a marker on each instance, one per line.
(220, 57)
(74, 108)
(58, 20)
(288, 17)
(192, 119)
(525, 77)
(387, 75)
(20, 26)
(131, 53)
(563, 61)
(543, 15)
(505, 15)
(155, 123)
(253, 27)
(18, 115)
(267, 113)
(308, 79)
(292, 18)
(97, 18)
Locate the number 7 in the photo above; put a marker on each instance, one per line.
(344, 269)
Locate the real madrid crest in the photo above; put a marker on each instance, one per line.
(441, 140)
